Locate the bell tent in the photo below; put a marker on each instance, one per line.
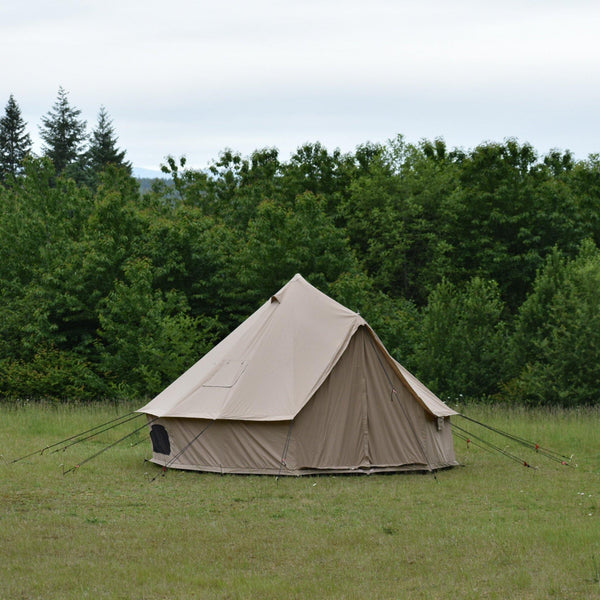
(303, 386)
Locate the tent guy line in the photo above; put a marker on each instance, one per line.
(79, 436)
(551, 454)
(89, 458)
(83, 439)
(468, 437)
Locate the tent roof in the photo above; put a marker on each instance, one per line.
(272, 364)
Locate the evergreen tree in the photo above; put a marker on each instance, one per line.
(15, 143)
(103, 149)
(63, 133)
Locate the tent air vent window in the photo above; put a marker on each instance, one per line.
(226, 374)
(160, 440)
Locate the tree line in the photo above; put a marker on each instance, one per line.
(66, 142)
(478, 268)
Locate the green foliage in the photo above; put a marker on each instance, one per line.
(50, 374)
(41, 221)
(63, 133)
(15, 142)
(557, 336)
(507, 214)
(462, 347)
(284, 240)
(397, 213)
(438, 248)
(374, 204)
(313, 169)
(394, 320)
(147, 338)
(584, 181)
(102, 151)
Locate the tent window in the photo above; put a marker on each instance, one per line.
(160, 440)
(226, 374)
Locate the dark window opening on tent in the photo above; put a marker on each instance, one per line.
(160, 440)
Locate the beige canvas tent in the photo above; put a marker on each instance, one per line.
(302, 386)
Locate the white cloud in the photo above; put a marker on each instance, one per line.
(191, 77)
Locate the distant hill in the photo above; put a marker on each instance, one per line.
(141, 173)
(146, 177)
(146, 183)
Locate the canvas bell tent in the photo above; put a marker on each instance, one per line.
(303, 386)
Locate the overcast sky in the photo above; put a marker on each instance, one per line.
(191, 77)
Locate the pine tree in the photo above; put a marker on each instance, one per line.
(63, 133)
(103, 149)
(15, 143)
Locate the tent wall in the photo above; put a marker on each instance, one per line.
(340, 427)
(353, 423)
(251, 447)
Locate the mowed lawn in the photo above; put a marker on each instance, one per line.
(118, 528)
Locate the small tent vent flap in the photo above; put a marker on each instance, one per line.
(226, 374)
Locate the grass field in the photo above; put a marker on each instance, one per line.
(488, 529)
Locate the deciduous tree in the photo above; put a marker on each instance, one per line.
(557, 339)
(462, 349)
(147, 336)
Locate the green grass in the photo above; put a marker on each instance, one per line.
(488, 529)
